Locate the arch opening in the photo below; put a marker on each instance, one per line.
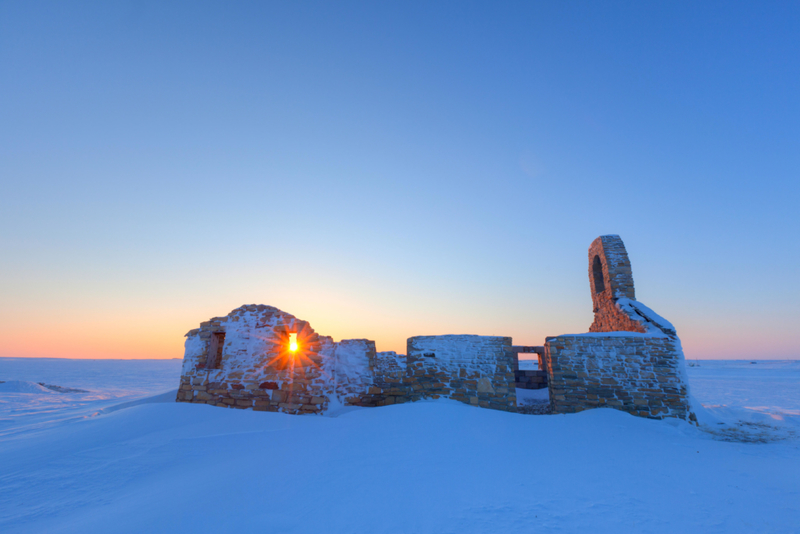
(597, 275)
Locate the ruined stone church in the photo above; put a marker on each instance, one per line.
(262, 358)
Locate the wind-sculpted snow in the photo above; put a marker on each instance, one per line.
(139, 464)
(77, 388)
(22, 386)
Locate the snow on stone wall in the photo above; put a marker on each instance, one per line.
(352, 368)
(473, 369)
(252, 367)
(632, 360)
(256, 368)
(639, 373)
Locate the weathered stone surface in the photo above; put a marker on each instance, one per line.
(460, 367)
(485, 386)
(255, 359)
(257, 369)
(631, 361)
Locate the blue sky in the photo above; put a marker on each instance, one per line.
(389, 169)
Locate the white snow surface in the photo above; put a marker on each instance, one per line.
(654, 322)
(22, 386)
(123, 457)
(532, 395)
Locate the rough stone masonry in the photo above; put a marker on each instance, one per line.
(244, 360)
(631, 360)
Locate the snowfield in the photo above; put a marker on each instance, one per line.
(123, 457)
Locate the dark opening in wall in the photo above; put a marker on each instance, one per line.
(215, 346)
(597, 274)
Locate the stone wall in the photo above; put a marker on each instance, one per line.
(638, 373)
(388, 385)
(610, 279)
(632, 360)
(256, 369)
(530, 379)
(477, 370)
(351, 368)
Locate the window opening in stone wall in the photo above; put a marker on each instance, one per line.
(597, 274)
(215, 346)
(293, 342)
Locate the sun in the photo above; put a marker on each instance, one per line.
(292, 342)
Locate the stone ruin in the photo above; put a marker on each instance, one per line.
(245, 360)
(630, 360)
(262, 358)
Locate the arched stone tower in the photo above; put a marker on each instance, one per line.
(610, 273)
(611, 279)
(632, 360)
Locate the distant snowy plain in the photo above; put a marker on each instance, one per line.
(123, 457)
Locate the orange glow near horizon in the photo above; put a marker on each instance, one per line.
(150, 331)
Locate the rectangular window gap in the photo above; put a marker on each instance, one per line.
(215, 346)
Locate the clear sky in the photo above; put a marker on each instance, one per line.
(389, 169)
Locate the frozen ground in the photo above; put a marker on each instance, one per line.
(122, 457)
(763, 386)
(107, 382)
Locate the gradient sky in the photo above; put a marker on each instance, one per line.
(389, 169)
